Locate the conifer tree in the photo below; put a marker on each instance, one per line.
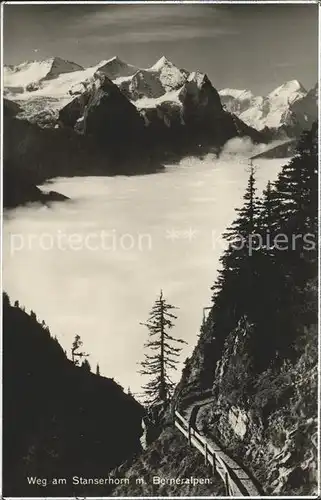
(268, 222)
(239, 260)
(163, 352)
(85, 365)
(5, 299)
(270, 286)
(97, 369)
(247, 218)
(297, 211)
(296, 187)
(75, 353)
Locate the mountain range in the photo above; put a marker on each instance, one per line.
(44, 88)
(289, 107)
(61, 119)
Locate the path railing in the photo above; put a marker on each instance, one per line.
(234, 484)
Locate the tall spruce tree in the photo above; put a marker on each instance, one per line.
(163, 352)
(296, 187)
(296, 212)
(239, 259)
(268, 223)
(247, 216)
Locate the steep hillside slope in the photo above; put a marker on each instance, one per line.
(59, 420)
(169, 468)
(258, 350)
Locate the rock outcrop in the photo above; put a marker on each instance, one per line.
(10, 108)
(21, 190)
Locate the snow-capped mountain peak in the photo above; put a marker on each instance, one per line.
(45, 87)
(30, 72)
(288, 92)
(272, 111)
(163, 61)
(169, 75)
(116, 68)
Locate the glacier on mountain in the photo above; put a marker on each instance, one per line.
(272, 111)
(53, 83)
(31, 72)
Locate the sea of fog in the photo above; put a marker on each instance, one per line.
(93, 266)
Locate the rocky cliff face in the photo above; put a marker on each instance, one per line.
(304, 110)
(268, 420)
(105, 114)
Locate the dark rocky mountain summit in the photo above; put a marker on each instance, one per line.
(107, 116)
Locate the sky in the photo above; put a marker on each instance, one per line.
(251, 46)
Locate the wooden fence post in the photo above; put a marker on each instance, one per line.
(227, 484)
(214, 463)
(205, 450)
